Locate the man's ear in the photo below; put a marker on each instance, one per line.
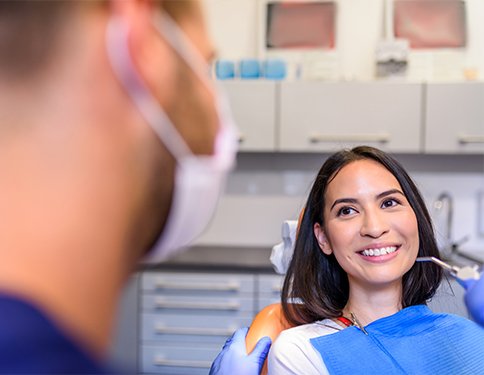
(153, 58)
(322, 239)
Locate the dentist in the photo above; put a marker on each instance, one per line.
(115, 146)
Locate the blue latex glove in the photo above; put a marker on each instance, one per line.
(474, 299)
(234, 360)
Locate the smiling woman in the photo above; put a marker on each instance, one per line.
(353, 286)
(361, 200)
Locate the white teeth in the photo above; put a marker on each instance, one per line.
(379, 252)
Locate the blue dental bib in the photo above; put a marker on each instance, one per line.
(413, 341)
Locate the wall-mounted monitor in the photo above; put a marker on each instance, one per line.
(431, 24)
(300, 25)
(303, 32)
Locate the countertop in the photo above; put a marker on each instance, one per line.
(256, 259)
(213, 258)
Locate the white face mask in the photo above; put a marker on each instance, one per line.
(199, 180)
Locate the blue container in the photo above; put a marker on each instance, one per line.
(225, 69)
(275, 69)
(249, 69)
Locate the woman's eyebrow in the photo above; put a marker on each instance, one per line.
(389, 192)
(343, 200)
(353, 200)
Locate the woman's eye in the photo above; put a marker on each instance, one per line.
(344, 211)
(390, 203)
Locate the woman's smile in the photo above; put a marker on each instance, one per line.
(379, 254)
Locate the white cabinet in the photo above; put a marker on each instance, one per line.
(253, 104)
(454, 118)
(186, 317)
(269, 290)
(443, 118)
(317, 116)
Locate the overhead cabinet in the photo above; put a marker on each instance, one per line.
(444, 118)
(317, 116)
(254, 109)
(454, 118)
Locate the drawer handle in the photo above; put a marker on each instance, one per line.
(320, 138)
(466, 139)
(225, 287)
(162, 330)
(241, 138)
(277, 288)
(174, 363)
(162, 304)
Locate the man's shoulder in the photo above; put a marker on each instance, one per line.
(30, 342)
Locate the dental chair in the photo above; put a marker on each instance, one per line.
(270, 321)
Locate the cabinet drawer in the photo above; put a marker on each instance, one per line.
(196, 284)
(318, 116)
(191, 327)
(196, 304)
(270, 287)
(270, 284)
(178, 359)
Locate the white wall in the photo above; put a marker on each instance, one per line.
(235, 27)
(266, 189)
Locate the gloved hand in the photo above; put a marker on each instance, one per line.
(234, 360)
(474, 299)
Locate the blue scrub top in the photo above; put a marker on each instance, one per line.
(31, 343)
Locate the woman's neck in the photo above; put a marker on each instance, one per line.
(370, 304)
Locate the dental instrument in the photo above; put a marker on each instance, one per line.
(472, 281)
(462, 274)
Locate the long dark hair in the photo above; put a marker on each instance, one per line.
(317, 281)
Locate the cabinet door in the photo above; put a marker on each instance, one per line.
(253, 107)
(318, 116)
(455, 118)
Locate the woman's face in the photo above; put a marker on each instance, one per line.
(369, 225)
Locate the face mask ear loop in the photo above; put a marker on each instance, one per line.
(180, 43)
(122, 64)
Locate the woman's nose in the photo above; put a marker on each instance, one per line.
(374, 224)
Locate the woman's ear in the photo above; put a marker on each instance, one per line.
(322, 239)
